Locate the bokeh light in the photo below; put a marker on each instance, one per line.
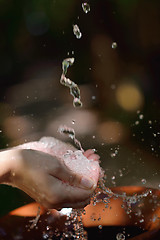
(129, 97)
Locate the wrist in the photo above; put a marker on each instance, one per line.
(7, 162)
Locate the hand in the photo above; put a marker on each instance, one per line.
(48, 180)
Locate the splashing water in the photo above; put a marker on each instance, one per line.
(75, 216)
(77, 31)
(73, 225)
(71, 134)
(86, 7)
(36, 219)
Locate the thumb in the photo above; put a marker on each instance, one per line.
(74, 179)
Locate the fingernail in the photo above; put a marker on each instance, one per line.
(87, 183)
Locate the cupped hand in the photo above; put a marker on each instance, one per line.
(44, 175)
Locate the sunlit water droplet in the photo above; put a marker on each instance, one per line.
(143, 181)
(137, 122)
(120, 236)
(77, 102)
(74, 89)
(100, 226)
(77, 31)
(66, 63)
(71, 134)
(141, 220)
(114, 45)
(141, 116)
(86, 7)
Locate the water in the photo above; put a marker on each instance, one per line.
(66, 63)
(74, 216)
(114, 45)
(86, 7)
(120, 236)
(143, 181)
(102, 194)
(36, 219)
(100, 226)
(77, 31)
(77, 102)
(71, 134)
(74, 89)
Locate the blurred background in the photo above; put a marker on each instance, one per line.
(119, 83)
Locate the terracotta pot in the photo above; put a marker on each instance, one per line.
(142, 223)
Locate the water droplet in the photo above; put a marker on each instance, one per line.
(66, 63)
(86, 7)
(143, 181)
(114, 45)
(120, 236)
(47, 227)
(45, 236)
(77, 102)
(100, 226)
(74, 91)
(65, 81)
(113, 155)
(141, 220)
(141, 116)
(73, 121)
(77, 31)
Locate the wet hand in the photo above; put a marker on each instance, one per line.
(48, 180)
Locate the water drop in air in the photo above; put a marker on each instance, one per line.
(77, 102)
(120, 236)
(141, 116)
(114, 45)
(86, 7)
(77, 31)
(100, 226)
(143, 181)
(66, 63)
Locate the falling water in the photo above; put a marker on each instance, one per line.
(71, 134)
(77, 31)
(74, 89)
(114, 45)
(86, 7)
(74, 216)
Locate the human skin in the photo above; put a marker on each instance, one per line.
(46, 178)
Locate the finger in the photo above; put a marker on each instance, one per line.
(94, 157)
(60, 194)
(89, 152)
(62, 172)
